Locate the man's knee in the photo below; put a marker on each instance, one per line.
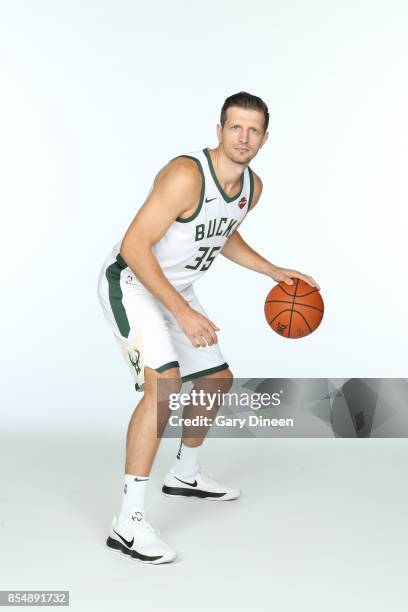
(227, 374)
(162, 383)
(220, 381)
(226, 379)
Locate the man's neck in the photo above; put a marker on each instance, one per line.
(228, 172)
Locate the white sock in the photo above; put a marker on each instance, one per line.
(134, 490)
(186, 463)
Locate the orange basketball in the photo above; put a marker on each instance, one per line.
(294, 311)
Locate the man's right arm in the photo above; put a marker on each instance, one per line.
(176, 189)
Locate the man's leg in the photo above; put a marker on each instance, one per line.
(142, 441)
(143, 437)
(217, 383)
(130, 533)
(185, 479)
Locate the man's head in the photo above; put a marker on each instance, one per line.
(243, 126)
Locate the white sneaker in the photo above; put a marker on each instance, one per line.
(140, 540)
(200, 485)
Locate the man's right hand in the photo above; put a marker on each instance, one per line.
(198, 329)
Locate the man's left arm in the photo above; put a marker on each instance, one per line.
(238, 251)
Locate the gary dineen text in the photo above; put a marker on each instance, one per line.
(251, 420)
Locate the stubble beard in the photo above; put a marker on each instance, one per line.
(239, 159)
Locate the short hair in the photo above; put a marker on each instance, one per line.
(243, 99)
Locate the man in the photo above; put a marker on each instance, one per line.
(191, 215)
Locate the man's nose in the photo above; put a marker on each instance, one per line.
(243, 136)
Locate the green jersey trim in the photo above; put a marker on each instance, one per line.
(200, 204)
(226, 197)
(251, 187)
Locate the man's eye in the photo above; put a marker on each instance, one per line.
(255, 130)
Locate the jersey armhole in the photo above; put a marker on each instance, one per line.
(251, 188)
(200, 203)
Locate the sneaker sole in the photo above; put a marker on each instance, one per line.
(116, 546)
(193, 494)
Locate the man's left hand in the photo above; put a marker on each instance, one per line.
(285, 275)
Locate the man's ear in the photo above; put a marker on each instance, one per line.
(265, 138)
(219, 133)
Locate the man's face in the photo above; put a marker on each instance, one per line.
(243, 134)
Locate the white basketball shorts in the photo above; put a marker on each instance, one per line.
(147, 332)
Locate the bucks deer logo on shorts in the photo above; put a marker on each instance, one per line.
(134, 357)
(132, 349)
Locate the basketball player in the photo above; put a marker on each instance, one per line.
(192, 214)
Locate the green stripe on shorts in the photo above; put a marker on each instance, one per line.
(167, 366)
(116, 296)
(224, 366)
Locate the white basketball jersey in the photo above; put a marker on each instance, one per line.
(190, 246)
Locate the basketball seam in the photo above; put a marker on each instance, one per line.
(284, 310)
(305, 320)
(293, 303)
(297, 304)
(297, 312)
(305, 294)
(300, 294)
(284, 290)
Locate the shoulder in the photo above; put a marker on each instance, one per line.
(258, 186)
(178, 186)
(183, 171)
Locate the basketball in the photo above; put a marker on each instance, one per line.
(294, 311)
